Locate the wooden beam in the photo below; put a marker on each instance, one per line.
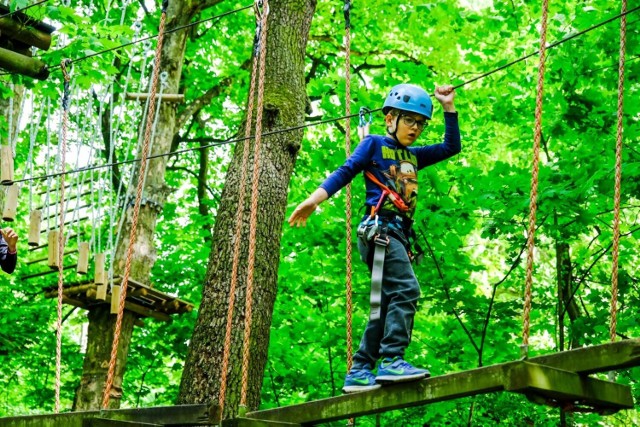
(166, 97)
(598, 358)
(249, 422)
(23, 65)
(192, 415)
(563, 388)
(25, 33)
(518, 376)
(105, 422)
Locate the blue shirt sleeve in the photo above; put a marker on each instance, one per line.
(451, 145)
(7, 260)
(355, 164)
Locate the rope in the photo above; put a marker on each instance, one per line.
(238, 230)
(136, 212)
(347, 127)
(218, 143)
(254, 206)
(6, 15)
(65, 115)
(534, 180)
(618, 178)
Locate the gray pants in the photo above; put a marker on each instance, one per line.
(391, 334)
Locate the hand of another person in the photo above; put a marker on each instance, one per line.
(11, 238)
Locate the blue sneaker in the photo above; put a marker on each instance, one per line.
(398, 370)
(359, 380)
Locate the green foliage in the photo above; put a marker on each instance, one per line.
(474, 207)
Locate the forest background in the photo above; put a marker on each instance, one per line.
(474, 208)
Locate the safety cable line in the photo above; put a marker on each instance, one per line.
(23, 9)
(241, 196)
(173, 30)
(537, 135)
(618, 178)
(552, 45)
(218, 143)
(253, 220)
(63, 148)
(347, 148)
(136, 210)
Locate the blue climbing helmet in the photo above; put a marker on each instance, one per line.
(409, 98)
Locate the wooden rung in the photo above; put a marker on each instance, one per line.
(6, 165)
(83, 258)
(54, 249)
(72, 290)
(115, 299)
(100, 276)
(101, 292)
(166, 97)
(11, 203)
(35, 217)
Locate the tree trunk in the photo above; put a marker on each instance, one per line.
(89, 393)
(285, 102)
(566, 303)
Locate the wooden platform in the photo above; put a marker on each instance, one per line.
(559, 379)
(141, 299)
(183, 415)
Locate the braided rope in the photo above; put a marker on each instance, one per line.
(238, 230)
(618, 178)
(136, 212)
(254, 207)
(534, 180)
(347, 127)
(63, 149)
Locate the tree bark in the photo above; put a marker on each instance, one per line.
(89, 393)
(285, 101)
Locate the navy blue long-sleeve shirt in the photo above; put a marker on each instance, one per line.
(394, 165)
(7, 260)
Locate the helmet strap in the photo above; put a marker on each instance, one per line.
(395, 130)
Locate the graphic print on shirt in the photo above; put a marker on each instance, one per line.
(403, 177)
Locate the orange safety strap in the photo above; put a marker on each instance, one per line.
(393, 196)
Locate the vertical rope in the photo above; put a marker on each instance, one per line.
(534, 180)
(618, 178)
(254, 207)
(347, 148)
(136, 211)
(242, 192)
(63, 149)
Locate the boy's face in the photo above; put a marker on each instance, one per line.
(409, 126)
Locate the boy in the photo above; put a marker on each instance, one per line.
(390, 165)
(8, 250)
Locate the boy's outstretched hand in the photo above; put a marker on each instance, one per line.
(11, 238)
(300, 214)
(444, 95)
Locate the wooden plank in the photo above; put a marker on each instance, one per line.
(565, 388)
(523, 377)
(403, 395)
(197, 414)
(249, 422)
(105, 422)
(166, 97)
(75, 419)
(598, 358)
(192, 415)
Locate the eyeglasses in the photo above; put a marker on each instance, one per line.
(410, 121)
